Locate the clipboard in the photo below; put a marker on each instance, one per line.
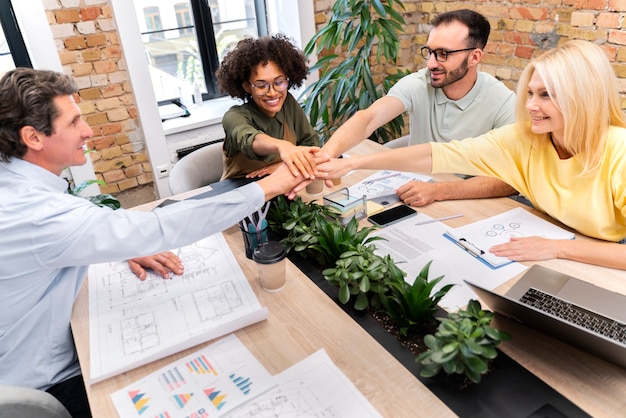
(478, 237)
(476, 252)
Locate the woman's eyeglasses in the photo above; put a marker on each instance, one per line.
(261, 89)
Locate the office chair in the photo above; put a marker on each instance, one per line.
(17, 401)
(199, 168)
(403, 141)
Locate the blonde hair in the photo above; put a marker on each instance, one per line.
(583, 86)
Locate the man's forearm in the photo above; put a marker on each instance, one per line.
(348, 135)
(473, 188)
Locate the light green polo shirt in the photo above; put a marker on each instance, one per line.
(434, 117)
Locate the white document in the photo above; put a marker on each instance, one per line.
(412, 246)
(207, 383)
(314, 387)
(133, 322)
(479, 237)
(384, 182)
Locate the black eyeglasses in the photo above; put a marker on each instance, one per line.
(441, 55)
(261, 89)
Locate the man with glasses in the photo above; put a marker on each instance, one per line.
(270, 126)
(449, 99)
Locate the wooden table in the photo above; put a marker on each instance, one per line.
(303, 319)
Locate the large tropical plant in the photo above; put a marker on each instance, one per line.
(359, 33)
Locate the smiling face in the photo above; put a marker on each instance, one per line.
(545, 116)
(273, 101)
(449, 37)
(66, 146)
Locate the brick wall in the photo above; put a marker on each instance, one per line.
(87, 41)
(88, 44)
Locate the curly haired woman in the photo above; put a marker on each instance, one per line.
(270, 127)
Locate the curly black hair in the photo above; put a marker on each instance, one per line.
(238, 64)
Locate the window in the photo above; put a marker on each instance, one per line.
(13, 51)
(183, 18)
(153, 19)
(185, 41)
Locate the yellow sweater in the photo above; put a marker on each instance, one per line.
(593, 204)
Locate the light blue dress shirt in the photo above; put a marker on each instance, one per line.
(49, 238)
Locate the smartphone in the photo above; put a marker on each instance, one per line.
(393, 215)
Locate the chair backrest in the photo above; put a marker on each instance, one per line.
(17, 401)
(199, 168)
(402, 141)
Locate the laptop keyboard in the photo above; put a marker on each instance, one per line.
(575, 314)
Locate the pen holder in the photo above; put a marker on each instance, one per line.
(253, 237)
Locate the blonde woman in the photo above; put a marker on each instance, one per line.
(566, 153)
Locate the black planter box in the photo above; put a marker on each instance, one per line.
(509, 390)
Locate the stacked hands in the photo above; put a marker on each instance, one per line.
(301, 160)
(413, 193)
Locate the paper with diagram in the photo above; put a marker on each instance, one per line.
(133, 322)
(384, 182)
(313, 387)
(207, 383)
(412, 244)
(224, 379)
(478, 237)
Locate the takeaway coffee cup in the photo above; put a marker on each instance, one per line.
(271, 265)
(315, 188)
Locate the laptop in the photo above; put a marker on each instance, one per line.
(579, 313)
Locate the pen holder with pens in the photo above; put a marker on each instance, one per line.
(253, 236)
(255, 230)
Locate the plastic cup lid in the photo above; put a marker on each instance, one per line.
(269, 252)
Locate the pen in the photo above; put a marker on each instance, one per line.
(445, 218)
(462, 242)
(381, 178)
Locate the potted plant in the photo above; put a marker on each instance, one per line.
(357, 36)
(360, 273)
(334, 238)
(465, 343)
(295, 222)
(102, 199)
(411, 306)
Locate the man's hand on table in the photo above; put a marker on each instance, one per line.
(162, 264)
(417, 193)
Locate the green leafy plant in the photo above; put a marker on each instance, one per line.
(411, 306)
(334, 239)
(296, 221)
(365, 33)
(361, 273)
(464, 343)
(103, 199)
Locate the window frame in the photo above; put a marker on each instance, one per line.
(206, 40)
(13, 35)
(207, 43)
